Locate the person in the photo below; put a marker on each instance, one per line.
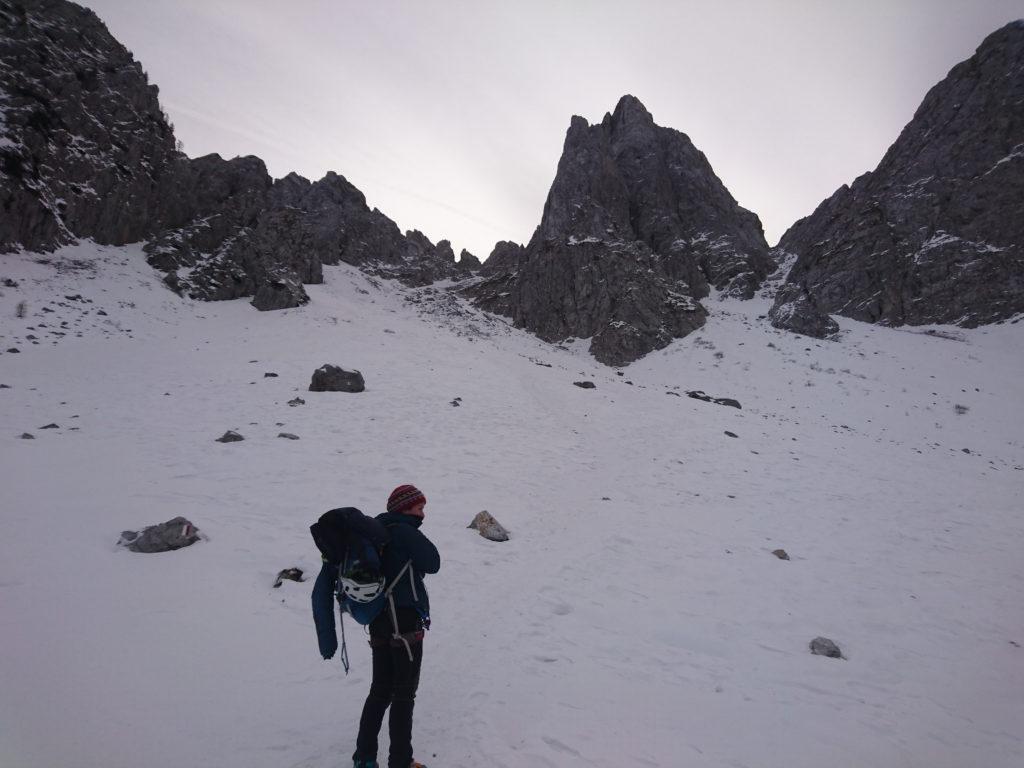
(396, 637)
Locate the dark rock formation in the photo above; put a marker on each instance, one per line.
(697, 394)
(468, 262)
(165, 537)
(822, 646)
(83, 141)
(331, 378)
(935, 234)
(85, 151)
(796, 310)
(636, 228)
(781, 554)
(230, 437)
(585, 384)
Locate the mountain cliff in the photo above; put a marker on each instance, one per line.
(935, 234)
(87, 152)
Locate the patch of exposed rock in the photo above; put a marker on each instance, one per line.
(935, 234)
(636, 229)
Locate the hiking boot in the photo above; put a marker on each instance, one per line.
(365, 764)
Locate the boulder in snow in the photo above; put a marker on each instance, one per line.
(230, 437)
(781, 554)
(331, 378)
(165, 537)
(488, 527)
(292, 574)
(822, 646)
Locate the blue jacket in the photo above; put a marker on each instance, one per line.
(407, 543)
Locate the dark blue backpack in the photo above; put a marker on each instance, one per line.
(352, 543)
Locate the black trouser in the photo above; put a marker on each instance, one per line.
(395, 679)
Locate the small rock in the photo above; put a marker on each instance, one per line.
(296, 401)
(731, 434)
(230, 437)
(585, 384)
(269, 375)
(292, 574)
(288, 436)
(822, 646)
(5, 386)
(14, 350)
(457, 402)
(488, 527)
(51, 426)
(101, 313)
(781, 554)
(27, 436)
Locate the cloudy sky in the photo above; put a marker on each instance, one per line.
(450, 115)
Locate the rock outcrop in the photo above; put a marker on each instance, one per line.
(935, 234)
(85, 151)
(83, 141)
(635, 230)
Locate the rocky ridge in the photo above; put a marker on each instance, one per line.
(86, 152)
(935, 234)
(636, 229)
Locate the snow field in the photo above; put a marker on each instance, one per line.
(636, 617)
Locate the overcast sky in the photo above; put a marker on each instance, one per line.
(450, 116)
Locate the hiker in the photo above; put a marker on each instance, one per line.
(398, 650)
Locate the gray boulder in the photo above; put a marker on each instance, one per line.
(935, 234)
(822, 646)
(230, 437)
(797, 311)
(165, 537)
(488, 527)
(280, 293)
(331, 378)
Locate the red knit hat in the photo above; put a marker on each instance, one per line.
(405, 497)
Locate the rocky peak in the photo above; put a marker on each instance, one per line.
(636, 228)
(935, 234)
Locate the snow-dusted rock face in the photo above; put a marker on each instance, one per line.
(635, 229)
(935, 234)
(85, 151)
(82, 138)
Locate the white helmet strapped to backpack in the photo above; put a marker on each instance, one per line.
(359, 586)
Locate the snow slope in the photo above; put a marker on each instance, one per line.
(636, 618)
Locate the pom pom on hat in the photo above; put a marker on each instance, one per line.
(405, 497)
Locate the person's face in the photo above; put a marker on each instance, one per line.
(417, 510)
